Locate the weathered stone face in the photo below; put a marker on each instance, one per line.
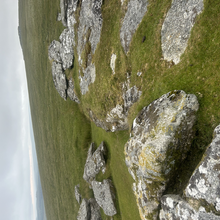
(95, 210)
(133, 17)
(177, 27)
(173, 207)
(160, 138)
(94, 163)
(84, 211)
(77, 194)
(59, 79)
(71, 93)
(104, 196)
(54, 51)
(204, 184)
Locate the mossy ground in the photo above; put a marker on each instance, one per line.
(63, 133)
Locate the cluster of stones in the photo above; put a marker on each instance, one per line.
(103, 191)
(175, 30)
(160, 138)
(61, 52)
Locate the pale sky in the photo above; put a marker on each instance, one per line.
(17, 178)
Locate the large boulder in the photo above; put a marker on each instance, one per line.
(177, 27)
(160, 138)
(71, 93)
(59, 79)
(174, 207)
(104, 195)
(204, 184)
(95, 162)
(133, 17)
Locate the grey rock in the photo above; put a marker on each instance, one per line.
(103, 192)
(71, 93)
(98, 122)
(84, 212)
(54, 51)
(174, 207)
(160, 138)
(63, 8)
(90, 20)
(95, 210)
(95, 162)
(87, 79)
(66, 49)
(59, 17)
(112, 63)
(59, 79)
(204, 184)
(177, 27)
(133, 17)
(77, 194)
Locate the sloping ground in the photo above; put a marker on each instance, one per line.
(63, 133)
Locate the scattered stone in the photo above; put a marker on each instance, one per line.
(87, 79)
(139, 73)
(173, 207)
(177, 27)
(204, 184)
(59, 17)
(77, 194)
(71, 93)
(103, 192)
(84, 211)
(160, 138)
(112, 63)
(90, 20)
(59, 79)
(95, 162)
(95, 210)
(133, 17)
(54, 51)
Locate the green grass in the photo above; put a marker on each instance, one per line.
(62, 131)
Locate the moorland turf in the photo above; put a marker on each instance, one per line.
(62, 129)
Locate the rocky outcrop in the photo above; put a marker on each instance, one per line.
(174, 207)
(103, 192)
(77, 194)
(177, 27)
(204, 184)
(95, 162)
(87, 79)
(133, 17)
(59, 79)
(160, 138)
(71, 92)
(54, 51)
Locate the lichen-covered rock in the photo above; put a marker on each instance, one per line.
(66, 49)
(95, 210)
(173, 207)
(77, 194)
(133, 17)
(160, 138)
(204, 184)
(54, 51)
(84, 211)
(71, 93)
(87, 79)
(177, 27)
(90, 20)
(95, 162)
(104, 196)
(59, 79)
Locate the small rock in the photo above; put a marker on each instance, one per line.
(112, 63)
(139, 73)
(77, 194)
(95, 162)
(95, 210)
(71, 93)
(104, 196)
(84, 212)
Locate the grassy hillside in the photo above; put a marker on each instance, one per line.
(62, 130)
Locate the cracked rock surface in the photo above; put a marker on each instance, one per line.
(160, 138)
(177, 27)
(133, 17)
(71, 92)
